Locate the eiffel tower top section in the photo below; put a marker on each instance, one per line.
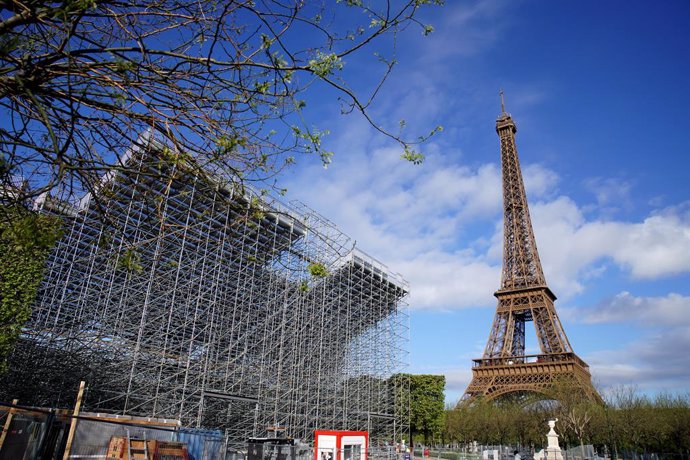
(521, 265)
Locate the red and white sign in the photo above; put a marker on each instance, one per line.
(340, 445)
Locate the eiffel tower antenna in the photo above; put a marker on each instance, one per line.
(523, 297)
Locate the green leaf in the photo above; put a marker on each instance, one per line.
(325, 64)
(412, 156)
(130, 261)
(317, 270)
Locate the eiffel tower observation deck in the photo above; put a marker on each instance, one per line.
(523, 297)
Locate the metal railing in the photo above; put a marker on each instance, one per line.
(529, 359)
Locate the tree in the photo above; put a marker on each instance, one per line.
(25, 240)
(427, 406)
(575, 411)
(629, 422)
(677, 412)
(496, 422)
(224, 82)
(641, 424)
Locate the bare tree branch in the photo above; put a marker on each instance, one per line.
(81, 80)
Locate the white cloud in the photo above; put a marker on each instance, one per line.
(449, 281)
(410, 218)
(540, 182)
(572, 248)
(658, 246)
(654, 353)
(609, 191)
(670, 310)
(656, 361)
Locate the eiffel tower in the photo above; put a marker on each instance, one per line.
(523, 297)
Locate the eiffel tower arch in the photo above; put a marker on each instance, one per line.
(523, 297)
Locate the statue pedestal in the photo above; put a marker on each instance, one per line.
(553, 450)
(552, 454)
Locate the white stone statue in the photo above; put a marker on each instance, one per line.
(553, 450)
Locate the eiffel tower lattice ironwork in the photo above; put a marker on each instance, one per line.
(523, 297)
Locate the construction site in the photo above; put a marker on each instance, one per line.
(180, 295)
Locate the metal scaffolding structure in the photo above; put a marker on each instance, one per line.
(177, 294)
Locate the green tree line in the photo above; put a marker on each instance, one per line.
(627, 422)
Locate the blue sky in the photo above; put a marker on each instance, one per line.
(599, 91)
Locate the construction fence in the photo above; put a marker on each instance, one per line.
(34, 433)
(30, 433)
